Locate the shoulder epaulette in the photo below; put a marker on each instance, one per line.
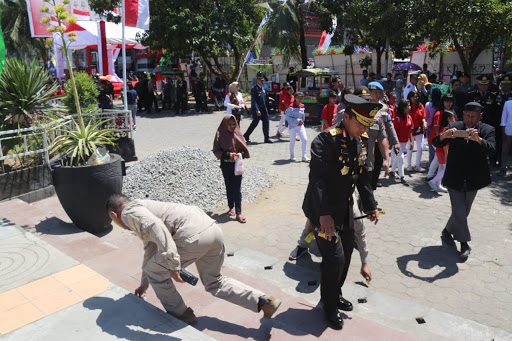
(335, 131)
(364, 135)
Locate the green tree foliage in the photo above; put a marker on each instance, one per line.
(87, 94)
(16, 28)
(206, 27)
(285, 30)
(370, 23)
(470, 25)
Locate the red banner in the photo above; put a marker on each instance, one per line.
(35, 15)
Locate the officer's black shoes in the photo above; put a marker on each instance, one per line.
(268, 141)
(447, 237)
(465, 250)
(247, 139)
(345, 305)
(334, 320)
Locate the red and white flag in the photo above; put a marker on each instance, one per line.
(325, 39)
(82, 15)
(137, 13)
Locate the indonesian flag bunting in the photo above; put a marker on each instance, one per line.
(82, 15)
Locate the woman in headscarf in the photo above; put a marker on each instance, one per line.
(234, 102)
(228, 142)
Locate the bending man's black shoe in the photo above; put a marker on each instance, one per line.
(465, 250)
(447, 237)
(345, 305)
(334, 320)
(268, 141)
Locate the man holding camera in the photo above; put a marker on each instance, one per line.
(467, 170)
(174, 237)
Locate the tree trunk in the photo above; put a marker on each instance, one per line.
(379, 58)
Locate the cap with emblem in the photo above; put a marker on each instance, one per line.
(507, 79)
(483, 79)
(363, 110)
(260, 75)
(375, 86)
(362, 91)
(414, 74)
(473, 106)
(463, 74)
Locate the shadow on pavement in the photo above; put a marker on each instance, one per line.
(502, 189)
(118, 318)
(220, 218)
(307, 282)
(56, 226)
(229, 328)
(423, 189)
(445, 257)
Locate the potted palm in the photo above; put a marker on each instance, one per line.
(82, 188)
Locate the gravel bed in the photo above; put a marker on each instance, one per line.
(188, 176)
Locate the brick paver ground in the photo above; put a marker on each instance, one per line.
(407, 257)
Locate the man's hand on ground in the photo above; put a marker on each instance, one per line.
(175, 274)
(140, 291)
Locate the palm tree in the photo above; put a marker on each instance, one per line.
(16, 29)
(285, 29)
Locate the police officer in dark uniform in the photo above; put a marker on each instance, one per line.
(181, 95)
(338, 164)
(259, 109)
(503, 96)
(488, 101)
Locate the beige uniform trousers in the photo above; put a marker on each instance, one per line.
(208, 254)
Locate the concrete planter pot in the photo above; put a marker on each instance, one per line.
(83, 191)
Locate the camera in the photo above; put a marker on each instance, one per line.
(461, 133)
(188, 277)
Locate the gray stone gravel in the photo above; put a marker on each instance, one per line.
(188, 176)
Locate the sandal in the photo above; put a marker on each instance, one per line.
(231, 213)
(241, 219)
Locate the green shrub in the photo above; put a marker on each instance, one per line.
(87, 92)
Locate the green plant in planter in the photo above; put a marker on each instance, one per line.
(77, 142)
(87, 92)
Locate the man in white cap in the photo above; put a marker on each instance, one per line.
(413, 80)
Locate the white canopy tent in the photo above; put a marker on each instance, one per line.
(88, 36)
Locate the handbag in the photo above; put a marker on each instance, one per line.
(239, 165)
(237, 112)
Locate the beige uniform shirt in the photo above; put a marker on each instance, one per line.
(164, 228)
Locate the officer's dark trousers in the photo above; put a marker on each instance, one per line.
(336, 256)
(377, 166)
(233, 188)
(255, 120)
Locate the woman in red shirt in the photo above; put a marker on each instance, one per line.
(441, 154)
(403, 127)
(285, 99)
(419, 124)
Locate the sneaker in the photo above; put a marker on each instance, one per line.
(465, 250)
(246, 138)
(292, 158)
(188, 316)
(297, 253)
(305, 159)
(433, 185)
(297, 138)
(270, 306)
(443, 189)
(419, 169)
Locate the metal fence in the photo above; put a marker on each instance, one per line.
(39, 140)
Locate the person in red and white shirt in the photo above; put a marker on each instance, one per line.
(403, 127)
(419, 123)
(329, 110)
(285, 99)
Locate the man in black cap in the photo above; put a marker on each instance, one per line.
(259, 110)
(502, 97)
(487, 100)
(337, 166)
(467, 170)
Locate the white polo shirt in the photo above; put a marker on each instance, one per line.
(410, 87)
(506, 118)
